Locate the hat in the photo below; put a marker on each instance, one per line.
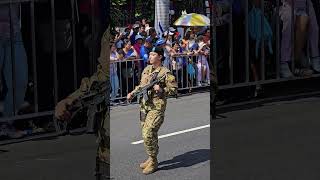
(138, 37)
(159, 51)
(166, 33)
(135, 26)
(172, 29)
(149, 39)
(160, 42)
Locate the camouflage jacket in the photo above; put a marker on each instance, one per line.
(157, 101)
(101, 75)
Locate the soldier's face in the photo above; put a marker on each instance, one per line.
(154, 58)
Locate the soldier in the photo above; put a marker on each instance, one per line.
(152, 111)
(101, 75)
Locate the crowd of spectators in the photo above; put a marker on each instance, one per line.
(186, 55)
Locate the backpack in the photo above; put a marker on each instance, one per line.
(255, 29)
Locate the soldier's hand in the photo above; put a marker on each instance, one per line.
(129, 97)
(157, 88)
(61, 111)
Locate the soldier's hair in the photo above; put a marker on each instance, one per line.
(159, 51)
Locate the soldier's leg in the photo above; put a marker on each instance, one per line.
(143, 114)
(154, 120)
(150, 130)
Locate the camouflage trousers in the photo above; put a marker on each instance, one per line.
(150, 125)
(103, 151)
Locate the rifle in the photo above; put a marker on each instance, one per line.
(143, 91)
(92, 100)
(95, 100)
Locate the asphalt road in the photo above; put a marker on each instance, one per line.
(73, 157)
(184, 156)
(273, 141)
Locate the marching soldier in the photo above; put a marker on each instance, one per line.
(152, 110)
(101, 75)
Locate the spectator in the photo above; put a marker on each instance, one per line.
(127, 68)
(153, 35)
(202, 63)
(20, 59)
(144, 51)
(134, 33)
(119, 40)
(114, 79)
(304, 22)
(138, 44)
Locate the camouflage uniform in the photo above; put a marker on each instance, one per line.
(152, 111)
(101, 75)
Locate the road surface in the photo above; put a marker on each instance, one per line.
(184, 152)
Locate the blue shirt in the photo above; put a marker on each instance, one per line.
(144, 53)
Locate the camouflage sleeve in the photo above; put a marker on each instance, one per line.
(171, 87)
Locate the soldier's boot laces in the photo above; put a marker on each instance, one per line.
(151, 167)
(145, 164)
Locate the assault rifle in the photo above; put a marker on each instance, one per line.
(95, 101)
(92, 100)
(143, 91)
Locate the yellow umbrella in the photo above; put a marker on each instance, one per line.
(192, 19)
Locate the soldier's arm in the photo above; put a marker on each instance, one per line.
(171, 87)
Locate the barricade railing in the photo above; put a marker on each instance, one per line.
(191, 71)
(266, 68)
(38, 113)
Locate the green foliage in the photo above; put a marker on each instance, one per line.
(146, 8)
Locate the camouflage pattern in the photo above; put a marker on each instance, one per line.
(101, 75)
(152, 111)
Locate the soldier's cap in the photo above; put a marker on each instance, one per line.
(159, 51)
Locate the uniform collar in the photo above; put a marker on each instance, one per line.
(155, 70)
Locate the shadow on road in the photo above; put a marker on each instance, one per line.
(185, 160)
(3, 151)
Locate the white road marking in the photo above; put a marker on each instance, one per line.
(176, 133)
(45, 159)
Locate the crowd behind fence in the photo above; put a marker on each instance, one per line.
(263, 41)
(190, 71)
(254, 42)
(46, 48)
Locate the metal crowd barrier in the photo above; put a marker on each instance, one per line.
(276, 44)
(133, 68)
(184, 67)
(47, 114)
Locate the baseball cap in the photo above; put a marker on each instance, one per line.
(149, 39)
(172, 29)
(166, 33)
(138, 37)
(160, 42)
(135, 26)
